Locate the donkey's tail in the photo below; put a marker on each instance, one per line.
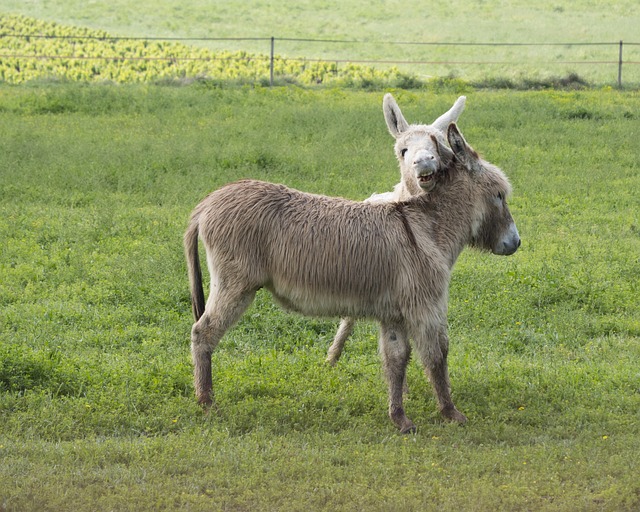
(193, 267)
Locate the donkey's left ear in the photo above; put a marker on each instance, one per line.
(465, 153)
(445, 154)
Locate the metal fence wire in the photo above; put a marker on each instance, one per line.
(618, 51)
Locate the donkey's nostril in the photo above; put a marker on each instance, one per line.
(424, 159)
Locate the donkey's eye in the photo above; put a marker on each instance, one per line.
(500, 196)
(403, 151)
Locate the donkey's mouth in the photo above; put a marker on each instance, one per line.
(427, 182)
(424, 179)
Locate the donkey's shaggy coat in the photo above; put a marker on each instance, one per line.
(416, 149)
(328, 256)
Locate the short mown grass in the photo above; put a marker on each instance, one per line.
(96, 400)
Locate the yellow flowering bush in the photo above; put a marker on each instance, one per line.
(32, 49)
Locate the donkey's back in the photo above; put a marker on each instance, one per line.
(318, 255)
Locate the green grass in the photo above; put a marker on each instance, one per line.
(489, 21)
(96, 401)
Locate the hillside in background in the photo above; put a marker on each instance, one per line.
(584, 34)
(378, 20)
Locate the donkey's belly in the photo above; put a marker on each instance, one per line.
(327, 305)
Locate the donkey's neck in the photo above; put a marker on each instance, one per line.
(408, 188)
(451, 212)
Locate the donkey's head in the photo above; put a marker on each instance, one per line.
(492, 226)
(417, 153)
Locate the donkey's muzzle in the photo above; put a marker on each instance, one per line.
(509, 243)
(510, 248)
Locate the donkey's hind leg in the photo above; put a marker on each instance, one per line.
(222, 311)
(344, 331)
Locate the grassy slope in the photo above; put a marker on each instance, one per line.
(394, 20)
(96, 405)
(455, 21)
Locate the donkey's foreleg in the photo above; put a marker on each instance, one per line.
(344, 331)
(432, 345)
(222, 311)
(395, 352)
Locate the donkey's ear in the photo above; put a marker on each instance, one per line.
(465, 153)
(396, 122)
(445, 154)
(451, 115)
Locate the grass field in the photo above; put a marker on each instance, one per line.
(96, 401)
(373, 25)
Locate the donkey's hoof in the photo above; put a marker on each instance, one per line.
(205, 401)
(454, 415)
(409, 429)
(400, 420)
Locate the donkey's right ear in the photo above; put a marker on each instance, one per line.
(396, 122)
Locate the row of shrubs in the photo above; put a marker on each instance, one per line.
(36, 50)
(32, 49)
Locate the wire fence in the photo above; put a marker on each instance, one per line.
(617, 59)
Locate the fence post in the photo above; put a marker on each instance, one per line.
(271, 63)
(620, 66)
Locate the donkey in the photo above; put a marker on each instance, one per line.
(419, 165)
(414, 149)
(329, 256)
